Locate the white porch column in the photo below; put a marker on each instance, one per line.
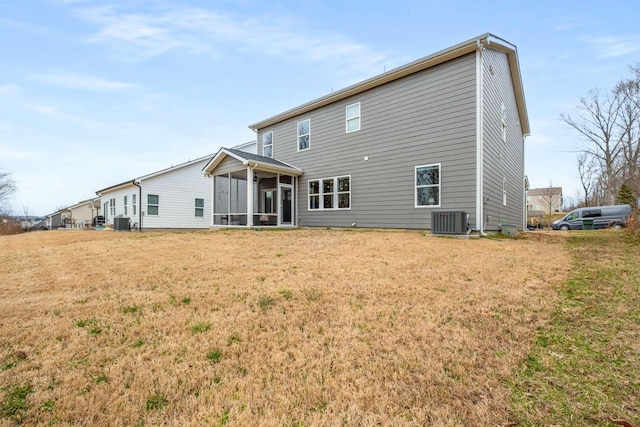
(249, 196)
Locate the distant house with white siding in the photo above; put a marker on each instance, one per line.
(82, 213)
(443, 133)
(175, 198)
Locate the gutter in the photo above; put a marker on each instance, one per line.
(139, 204)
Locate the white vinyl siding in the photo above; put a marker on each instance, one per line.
(353, 117)
(428, 186)
(330, 193)
(267, 144)
(304, 135)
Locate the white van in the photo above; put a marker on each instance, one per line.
(615, 216)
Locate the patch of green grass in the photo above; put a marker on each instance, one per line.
(138, 343)
(214, 356)
(101, 378)
(265, 302)
(200, 327)
(233, 338)
(583, 365)
(92, 324)
(133, 309)
(224, 418)
(156, 401)
(15, 400)
(186, 300)
(286, 294)
(49, 405)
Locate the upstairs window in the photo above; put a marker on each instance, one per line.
(428, 185)
(267, 144)
(153, 204)
(353, 117)
(199, 208)
(330, 193)
(503, 116)
(504, 191)
(304, 135)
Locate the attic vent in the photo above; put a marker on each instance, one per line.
(449, 222)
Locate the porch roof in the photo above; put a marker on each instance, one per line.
(260, 163)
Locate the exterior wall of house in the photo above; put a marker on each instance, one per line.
(422, 119)
(176, 189)
(118, 195)
(81, 215)
(503, 160)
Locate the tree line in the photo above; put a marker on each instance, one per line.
(608, 123)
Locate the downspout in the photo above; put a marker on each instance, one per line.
(139, 204)
(480, 202)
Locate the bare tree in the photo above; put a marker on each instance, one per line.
(597, 124)
(588, 170)
(629, 127)
(7, 188)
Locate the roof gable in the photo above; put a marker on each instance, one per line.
(486, 40)
(261, 162)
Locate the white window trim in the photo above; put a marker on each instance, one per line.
(336, 192)
(156, 205)
(504, 191)
(298, 135)
(274, 208)
(270, 145)
(196, 207)
(503, 118)
(415, 185)
(347, 118)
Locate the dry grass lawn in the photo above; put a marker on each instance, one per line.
(271, 328)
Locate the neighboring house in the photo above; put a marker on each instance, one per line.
(53, 220)
(174, 198)
(543, 201)
(445, 132)
(82, 213)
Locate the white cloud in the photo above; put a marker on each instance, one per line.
(139, 36)
(613, 47)
(80, 81)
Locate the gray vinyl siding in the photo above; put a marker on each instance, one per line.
(426, 118)
(229, 164)
(501, 160)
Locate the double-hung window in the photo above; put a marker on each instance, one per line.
(304, 135)
(125, 205)
(133, 204)
(153, 204)
(330, 193)
(353, 117)
(428, 185)
(199, 208)
(112, 204)
(267, 144)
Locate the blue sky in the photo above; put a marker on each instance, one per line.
(93, 93)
